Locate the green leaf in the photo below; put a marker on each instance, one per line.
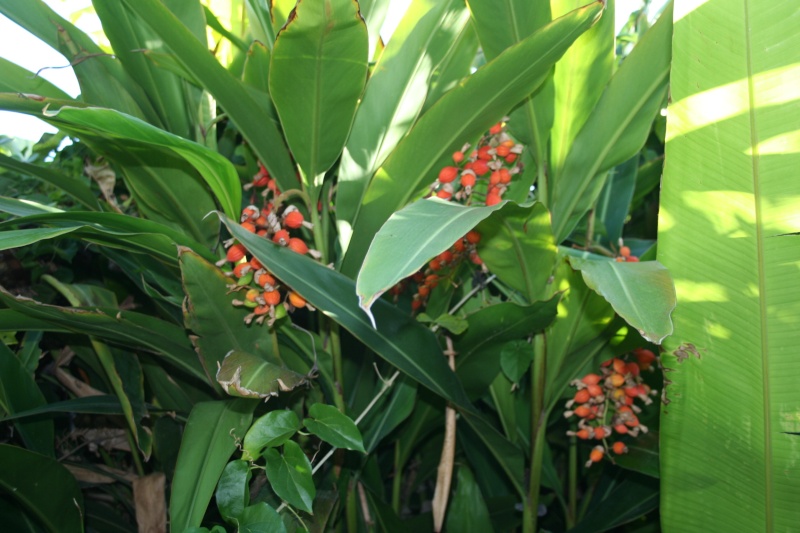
(394, 96)
(641, 293)
(614, 201)
(454, 66)
(249, 376)
(317, 74)
(260, 518)
(18, 394)
(515, 359)
(18, 238)
(479, 349)
(617, 128)
(728, 230)
(208, 441)
(43, 487)
(517, 245)
(98, 405)
(71, 186)
(642, 455)
(269, 431)
(409, 239)
(399, 339)
(398, 408)
(218, 326)
(579, 79)
(464, 113)
(501, 24)
(233, 494)
(232, 95)
(468, 511)
(290, 475)
(15, 79)
(334, 427)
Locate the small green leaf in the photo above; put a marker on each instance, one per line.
(232, 490)
(454, 324)
(641, 293)
(269, 431)
(290, 476)
(468, 511)
(515, 359)
(335, 428)
(260, 518)
(249, 376)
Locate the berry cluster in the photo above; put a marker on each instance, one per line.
(625, 255)
(264, 294)
(606, 403)
(493, 161)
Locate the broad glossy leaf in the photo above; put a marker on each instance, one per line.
(399, 339)
(217, 325)
(43, 487)
(269, 431)
(617, 128)
(501, 24)
(250, 376)
(517, 245)
(334, 427)
(317, 74)
(289, 475)
(515, 359)
(409, 239)
(260, 518)
(394, 96)
(464, 113)
(208, 442)
(233, 494)
(126, 328)
(479, 349)
(467, 510)
(728, 233)
(14, 78)
(579, 79)
(642, 293)
(18, 394)
(71, 186)
(255, 125)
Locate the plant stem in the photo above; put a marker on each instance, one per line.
(573, 482)
(338, 371)
(397, 481)
(538, 431)
(541, 182)
(351, 510)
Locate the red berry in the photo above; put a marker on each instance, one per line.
(619, 448)
(497, 128)
(510, 158)
(297, 300)
(236, 252)
(597, 454)
(582, 396)
(444, 194)
(624, 251)
(458, 157)
(272, 297)
(483, 153)
(241, 269)
(473, 237)
(448, 174)
(480, 167)
(493, 198)
(297, 245)
(591, 379)
(293, 219)
(281, 237)
(468, 179)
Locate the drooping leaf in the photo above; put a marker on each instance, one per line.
(642, 293)
(728, 233)
(617, 128)
(464, 113)
(232, 494)
(317, 73)
(249, 376)
(409, 239)
(43, 487)
(289, 474)
(334, 427)
(208, 441)
(269, 431)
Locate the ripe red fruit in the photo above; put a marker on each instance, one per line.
(622, 429)
(241, 269)
(597, 454)
(494, 178)
(497, 128)
(493, 198)
(468, 179)
(475, 258)
(459, 245)
(445, 257)
(599, 432)
(236, 252)
(510, 158)
(502, 150)
(448, 174)
(480, 167)
(594, 390)
(591, 379)
(458, 157)
(293, 219)
(624, 251)
(424, 290)
(256, 264)
(582, 396)
(297, 300)
(266, 279)
(281, 237)
(473, 237)
(632, 259)
(505, 176)
(619, 448)
(249, 226)
(444, 194)
(435, 264)
(483, 153)
(582, 411)
(297, 245)
(432, 280)
(583, 433)
(272, 297)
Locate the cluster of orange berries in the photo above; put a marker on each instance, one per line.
(437, 268)
(264, 294)
(606, 403)
(625, 256)
(495, 158)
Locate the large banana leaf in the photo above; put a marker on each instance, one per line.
(462, 114)
(728, 232)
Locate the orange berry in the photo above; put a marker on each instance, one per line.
(597, 454)
(468, 179)
(261, 222)
(445, 257)
(261, 310)
(632, 421)
(617, 380)
(435, 264)
(473, 237)
(502, 150)
(599, 432)
(256, 264)
(633, 392)
(582, 396)
(591, 379)
(505, 176)
(293, 219)
(248, 213)
(241, 269)
(416, 304)
(583, 433)
(266, 279)
(624, 251)
(622, 429)
(633, 368)
(632, 259)
(262, 233)
(297, 245)
(272, 297)
(281, 237)
(582, 411)
(432, 280)
(594, 390)
(296, 300)
(483, 153)
(458, 157)
(251, 295)
(619, 365)
(643, 355)
(493, 199)
(619, 259)
(444, 194)
(448, 174)
(424, 291)
(459, 245)
(510, 158)
(494, 178)
(497, 128)
(480, 167)
(619, 448)
(475, 258)
(236, 252)
(249, 226)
